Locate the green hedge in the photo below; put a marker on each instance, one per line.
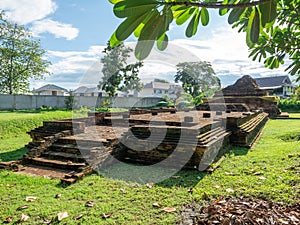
(289, 105)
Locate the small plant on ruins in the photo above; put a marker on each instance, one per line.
(169, 102)
(70, 102)
(106, 104)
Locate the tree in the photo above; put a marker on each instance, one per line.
(271, 26)
(280, 40)
(21, 58)
(198, 78)
(161, 80)
(117, 73)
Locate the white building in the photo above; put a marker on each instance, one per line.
(159, 89)
(51, 89)
(94, 91)
(281, 86)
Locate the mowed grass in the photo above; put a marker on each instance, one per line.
(270, 171)
(15, 124)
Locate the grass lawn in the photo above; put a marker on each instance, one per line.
(269, 171)
(15, 124)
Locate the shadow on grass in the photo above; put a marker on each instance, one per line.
(141, 174)
(238, 151)
(184, 178)
(13, 155)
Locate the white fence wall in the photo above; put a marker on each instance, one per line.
(15, 102)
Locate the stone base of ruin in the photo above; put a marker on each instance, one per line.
(71, 149)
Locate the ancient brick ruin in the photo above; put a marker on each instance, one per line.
(70, 149)
(244, 95)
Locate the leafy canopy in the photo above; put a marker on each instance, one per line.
(266, 24)
(21, 58)
(117, 73)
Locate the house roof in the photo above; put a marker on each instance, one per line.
(159, 85)
(50, 87)
(272, 82)
(84, 89)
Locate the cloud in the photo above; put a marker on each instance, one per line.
(74, 62)
(59, 30)
(27, 11)
(226, 50)
(35, 12)
(228, 53)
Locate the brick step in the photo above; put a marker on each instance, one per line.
(248, 122)
(63, 156)
(202, 138)
(38, 170)
(67, 148)
(214, 138)
(250, 125)
(167, 139)
(208, 133)
(89, 142)
(56, 163)
(74, 176)
(74, 149)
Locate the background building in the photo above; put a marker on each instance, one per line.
(281, 86)
(51, 89)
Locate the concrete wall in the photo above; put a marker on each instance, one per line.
(15, 102)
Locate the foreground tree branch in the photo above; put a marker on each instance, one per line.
(218, 5)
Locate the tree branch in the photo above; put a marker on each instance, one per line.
(217, 5)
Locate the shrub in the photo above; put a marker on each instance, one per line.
(289, 105)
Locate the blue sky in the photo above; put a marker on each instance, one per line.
(74, 32)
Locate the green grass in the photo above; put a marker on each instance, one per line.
(269, 171)
(15, 124)
(294, 115)
(111, 110)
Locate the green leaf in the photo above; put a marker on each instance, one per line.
(143, 49)
(148, 36)
(113, 41)
(253, 28)
(192, 28)
(204, 16)
(296, 70)
(130, 8)
(115, 1)
(183, 17)
(268, 12)
(138, 30)
(162, 42)
(179, 8)
(222, 12)
(127, 27)
(235, 14)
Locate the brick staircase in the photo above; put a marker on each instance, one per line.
(246, 133)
